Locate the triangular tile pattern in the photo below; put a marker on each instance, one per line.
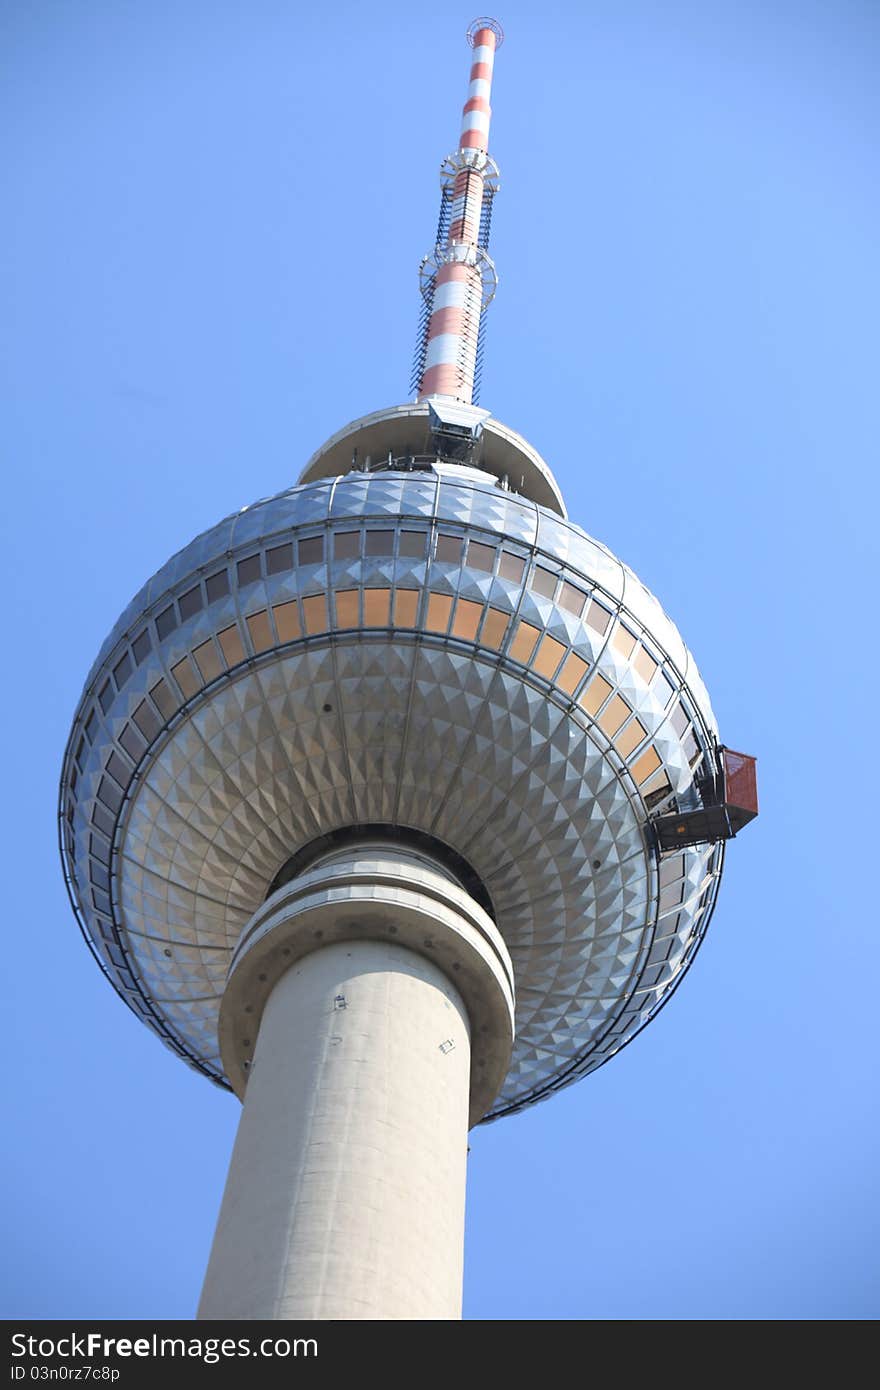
(430, 731)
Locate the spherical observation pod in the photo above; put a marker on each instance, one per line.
(417, 652)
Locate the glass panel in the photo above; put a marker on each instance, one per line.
(523, 643)
(164, 699)
(314, 609)
(594, 694)
(217, 585)
(185, 675)
(166, 622)
(645, 765)
(671, 895)
(550, 654)
(91, 726)
(406, 607)
(439, 608)
(613, 715)
(380, 543)
(679, 720)
(598, 617)
(480, 556)
(623, 641)
(146, 720)
(634, 734)
(494, 628)
(106, 696)
(101, 819)
(132, 742)
(671, 869)
(467, 617)
(248, 570)
(287, 621)
(311, 552)
(572, 673)
(207, 660)
(347, 545)
(109, 794)
(377, 607)
(190, 603)
(412, 544)
(348, 608)
(543, 582)
(122, 671)
(572, 598)
(231, 645)
(141, 647)
(119, 770)
(645, 665)
(279, 558)
(449, 549)
(260, 631)
(512, 567)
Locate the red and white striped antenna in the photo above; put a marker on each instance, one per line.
(457, 278)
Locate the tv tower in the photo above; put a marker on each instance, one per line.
(394, 803)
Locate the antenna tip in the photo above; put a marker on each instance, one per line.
(485, 22)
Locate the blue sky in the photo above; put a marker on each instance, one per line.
(214, 217)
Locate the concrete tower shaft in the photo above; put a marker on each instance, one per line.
(369, 1015)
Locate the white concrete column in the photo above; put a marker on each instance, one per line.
(346, 1189)
(345, 1196)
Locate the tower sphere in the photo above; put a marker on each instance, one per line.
(419, 652)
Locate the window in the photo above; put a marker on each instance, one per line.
(598, 617)
(634, 734)
(217, 585)
(449, 549)
(573, 671)
(231, 645)
(248, 570)
(494, 628)
(480, 556)
(550, 654)
(186, 677)
(377, 607)
(613, 715)
(166, 622)
(132, 743)
(207, 660)
(595, 694)
(346, 545)
(412, 545)
(287, 623)
(314, 608)
(141, 646)
(260, 630)
(543, 582)
(645, 665)
(122, 671)
(439, 609)
(279, 558)
(163, 699)
(380, 543)
(511, 567)
(572, 598)
(105, 698)
(145, 718)
(524, 641)
(348, 608)
(467, 618)
(311, 551)
(647, 763)
(119, 770)
(623, 641)
(406, 607)
(190, 603)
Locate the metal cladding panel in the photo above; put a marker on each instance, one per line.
(461, 662)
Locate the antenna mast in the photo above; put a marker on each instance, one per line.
(458, 279)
